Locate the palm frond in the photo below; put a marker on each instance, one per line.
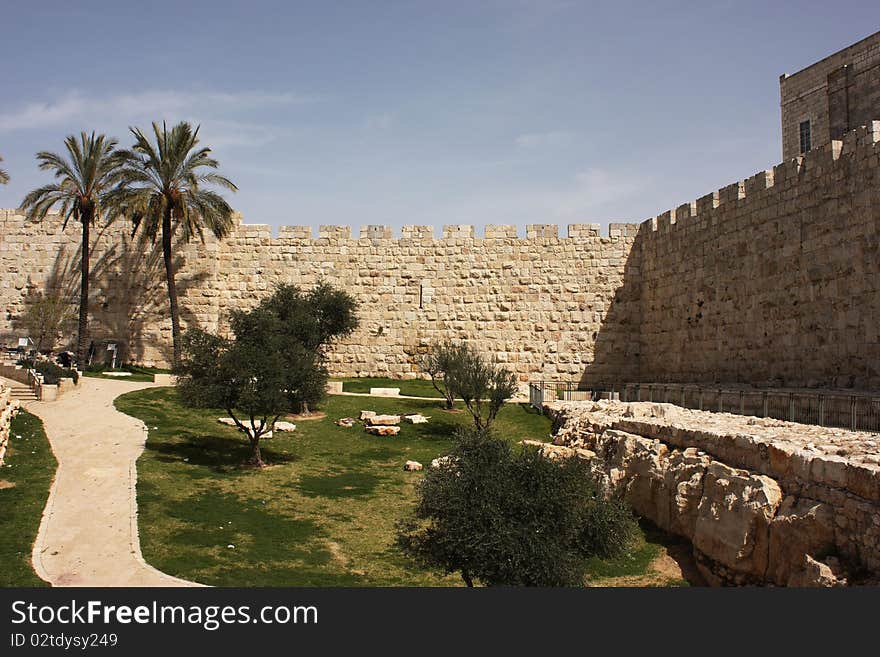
(167, 174)
(83, 179)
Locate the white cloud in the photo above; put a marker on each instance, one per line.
(539, 139)
(139, 107)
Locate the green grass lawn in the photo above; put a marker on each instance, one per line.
(412, 388)
(30, 467)
(138, 373)
(322, 514)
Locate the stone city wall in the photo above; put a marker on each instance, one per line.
(762, 501)
(774, 280)
(538, 303)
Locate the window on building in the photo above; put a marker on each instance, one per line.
(806, 137)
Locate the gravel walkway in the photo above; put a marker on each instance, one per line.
(89, 533)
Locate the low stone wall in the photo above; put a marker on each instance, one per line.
(8, 409)
(763, 501)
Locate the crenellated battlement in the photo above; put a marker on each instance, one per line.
(773, 185)
(771, 278)
(452, 233)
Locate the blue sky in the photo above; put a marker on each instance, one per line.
(479, 112)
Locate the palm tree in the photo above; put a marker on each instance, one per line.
(161, 191)
(83, 181)
(4, 177)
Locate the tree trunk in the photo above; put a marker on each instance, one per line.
(82, 342)
(256, 458)
(172, 286)
(465, 575)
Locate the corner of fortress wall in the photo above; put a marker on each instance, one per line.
(773, 279)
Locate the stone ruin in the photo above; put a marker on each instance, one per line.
(762, 501)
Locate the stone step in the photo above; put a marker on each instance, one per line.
(22, 393)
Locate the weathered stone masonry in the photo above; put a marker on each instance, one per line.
(537, 303)
(8, 410)
(761, 500)
(774, 280)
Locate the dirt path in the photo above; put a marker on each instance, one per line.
(89, 534)
(673, 566)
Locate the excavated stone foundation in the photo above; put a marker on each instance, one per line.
(762, 501)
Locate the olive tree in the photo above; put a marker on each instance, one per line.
(47, 316)
(483, 385)
(274, 364)
(506, 517)
(439, 363)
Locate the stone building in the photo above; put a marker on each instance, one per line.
(831, 97)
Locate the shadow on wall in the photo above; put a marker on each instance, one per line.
(616, 345)
(127, 292)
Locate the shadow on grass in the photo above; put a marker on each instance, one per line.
(221, 455)
(270, 534)
(346, 484)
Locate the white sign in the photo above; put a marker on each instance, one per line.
(22, 342)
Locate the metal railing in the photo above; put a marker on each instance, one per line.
(855, 411)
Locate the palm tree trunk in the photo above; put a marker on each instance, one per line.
(82, 344)
(172, 287)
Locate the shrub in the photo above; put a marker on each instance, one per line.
(482, 385)
(52, 373)
(47, 317)
(440, 363)
(511, 517)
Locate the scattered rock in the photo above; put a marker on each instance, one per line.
(226, 420)
(382, 420)
(382, 430)
(285, 426)
(417, 419)
(412, 466)
(814, 573)
(385, 392)
(367, 414)
(553, 452)
(347, 422)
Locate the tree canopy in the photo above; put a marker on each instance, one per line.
(501, 516)
(274, 364)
